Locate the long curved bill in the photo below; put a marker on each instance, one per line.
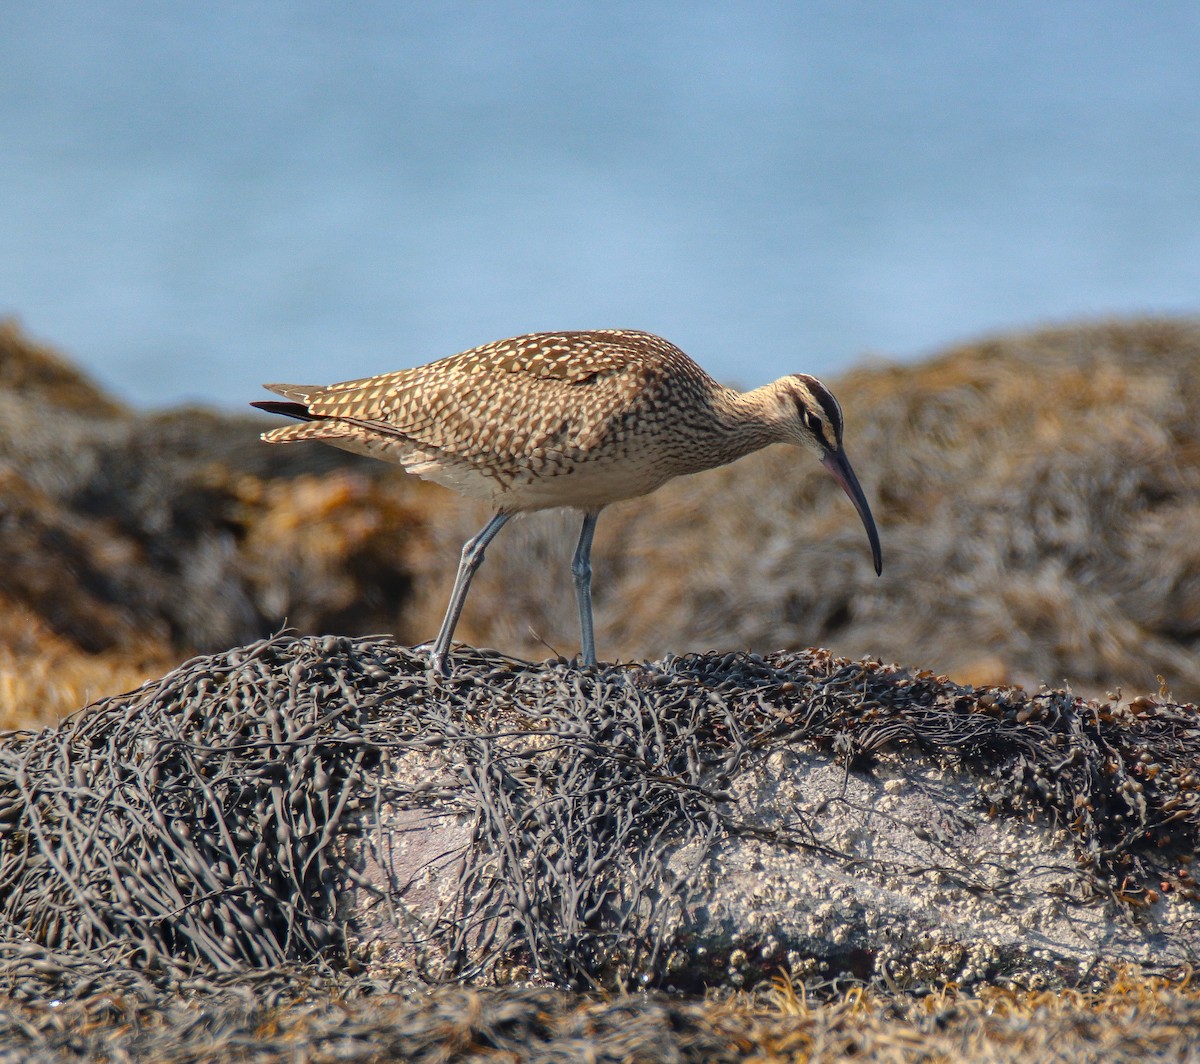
(839, 465)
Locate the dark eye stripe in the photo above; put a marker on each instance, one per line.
(829, 404)
(812, 421)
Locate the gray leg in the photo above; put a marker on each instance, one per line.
(472, 558)
(581, 569)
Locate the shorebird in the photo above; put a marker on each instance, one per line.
(574, 419)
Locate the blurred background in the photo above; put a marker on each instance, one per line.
(981, 222)
(195, 198)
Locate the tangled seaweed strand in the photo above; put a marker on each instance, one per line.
(193, 818)
(582, 784)
(199, 823)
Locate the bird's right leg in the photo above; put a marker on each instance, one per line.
(581, 569)
(472, 558)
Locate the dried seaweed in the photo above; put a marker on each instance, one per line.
(1132, 1020)
(192, 819)
(193, 828)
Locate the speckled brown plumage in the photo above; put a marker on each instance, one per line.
(576, 419)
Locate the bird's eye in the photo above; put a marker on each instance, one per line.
(812, 423)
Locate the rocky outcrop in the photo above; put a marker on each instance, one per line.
(1036, 493)
(703, 820)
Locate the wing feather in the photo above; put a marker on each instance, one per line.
(512, 399)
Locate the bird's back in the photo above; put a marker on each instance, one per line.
(547, 419)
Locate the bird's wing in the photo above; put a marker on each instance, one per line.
(512, 397)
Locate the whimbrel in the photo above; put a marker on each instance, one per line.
(575, 419)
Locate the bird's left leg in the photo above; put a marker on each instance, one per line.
(472, 558)
(581, 570)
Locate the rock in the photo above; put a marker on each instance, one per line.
(147, 537)
(865, 823)
(702, 820)
(1036, 493)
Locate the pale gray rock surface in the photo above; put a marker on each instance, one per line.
(909, 870)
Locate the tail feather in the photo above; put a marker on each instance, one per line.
(341, 432)
(297, 410)
(328, 431)
(300, 393)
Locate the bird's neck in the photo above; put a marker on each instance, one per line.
(746, 421)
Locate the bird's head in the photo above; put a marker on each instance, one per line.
(809, 416)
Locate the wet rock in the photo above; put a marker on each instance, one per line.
(890, 829)
(704, 820)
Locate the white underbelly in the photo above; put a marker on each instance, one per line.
(587, 486)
